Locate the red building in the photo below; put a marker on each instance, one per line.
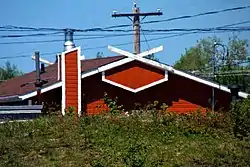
(75, 82)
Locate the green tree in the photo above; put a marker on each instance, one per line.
(9, 71)
(238, 50)
(199, 59)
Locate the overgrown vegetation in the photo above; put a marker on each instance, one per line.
(114, 108)
(240, 115)
(152, 138)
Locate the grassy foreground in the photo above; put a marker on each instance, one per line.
(127, 141)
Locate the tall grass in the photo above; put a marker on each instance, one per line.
(111, 140)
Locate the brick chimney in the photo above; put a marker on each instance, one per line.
(71, 80)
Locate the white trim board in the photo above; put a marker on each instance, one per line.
(131, 57)
(46, 89)
(137, 89)
(209, 83)
(43, 60)
(79, 59)
(59, 67)
(63, 82)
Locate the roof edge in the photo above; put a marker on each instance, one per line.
(127, 60)
(43, 90)
(14, 98)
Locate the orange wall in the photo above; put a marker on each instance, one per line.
(71, 78)
(180, 94)
(135, 75)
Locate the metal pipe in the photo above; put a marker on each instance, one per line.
(69, 40)
(38, 77)
(37, 56)
(225, 48)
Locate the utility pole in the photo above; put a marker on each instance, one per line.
(136, 23)
(136, 27)
(223, 57)
(38, 82)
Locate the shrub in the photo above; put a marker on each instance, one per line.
(150, 110)
(70, 111)
(114, 108)
(136, 155)
(98, 141)
(240, 114)
(51, 108)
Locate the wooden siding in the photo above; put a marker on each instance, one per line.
(96, 107)
(135, 75)
(183, 106)
(180, 94)
(71, 80)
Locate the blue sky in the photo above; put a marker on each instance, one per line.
(97, 13)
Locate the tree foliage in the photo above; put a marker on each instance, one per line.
(198, 59)
(9, 71)
(200, 56)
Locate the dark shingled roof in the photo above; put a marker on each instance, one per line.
(13, 87)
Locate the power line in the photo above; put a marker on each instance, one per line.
(28, 35)
(200, 29)
(152, 39)
(197, 15)
(60, 40)
(220, 28)
(245, 28)
(183, 17)
(146, 40)
(22, 56)
(190, 31)
(121, 44)
(19, 28)
(127, 43)
(10, 27)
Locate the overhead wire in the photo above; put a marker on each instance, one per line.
(243, 28)
(28, 35)
(183, 17)
(20, 28)
(61, 40)
(27, 55)
(189, 31)
(220, 28)
(193, 31)
(146, 40)
(197, 15)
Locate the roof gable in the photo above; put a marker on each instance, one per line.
(14, 86)
(89, 67)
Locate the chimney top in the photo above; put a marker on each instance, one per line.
(69, 41)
